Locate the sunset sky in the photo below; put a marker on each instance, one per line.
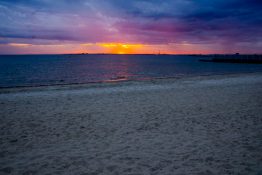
(130, 26)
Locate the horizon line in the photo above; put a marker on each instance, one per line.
(130, 54)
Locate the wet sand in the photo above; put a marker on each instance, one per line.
(198, 125)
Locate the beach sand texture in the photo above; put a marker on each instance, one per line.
(198, 125)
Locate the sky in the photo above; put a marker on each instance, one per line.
(130, 26)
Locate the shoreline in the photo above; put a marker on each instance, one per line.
(109, 83)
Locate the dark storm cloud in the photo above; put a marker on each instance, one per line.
(203, 20)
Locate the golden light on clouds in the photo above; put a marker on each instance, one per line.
(106, 48)
(116, 48)
(121, 48)
(19, 44)
(87, 44)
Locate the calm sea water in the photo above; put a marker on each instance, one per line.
(34, 70)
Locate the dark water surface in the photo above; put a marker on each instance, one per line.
(34, 70)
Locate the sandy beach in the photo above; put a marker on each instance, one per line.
(196, 125)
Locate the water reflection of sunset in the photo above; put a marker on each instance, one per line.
(117, 71)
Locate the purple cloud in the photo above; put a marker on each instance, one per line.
(232, 22)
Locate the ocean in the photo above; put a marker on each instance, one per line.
(37, 70)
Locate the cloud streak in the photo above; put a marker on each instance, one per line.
(203, 24)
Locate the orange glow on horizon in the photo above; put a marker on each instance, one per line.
(121, 48)
(110, 48)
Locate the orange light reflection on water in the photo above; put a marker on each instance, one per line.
(120, 71)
